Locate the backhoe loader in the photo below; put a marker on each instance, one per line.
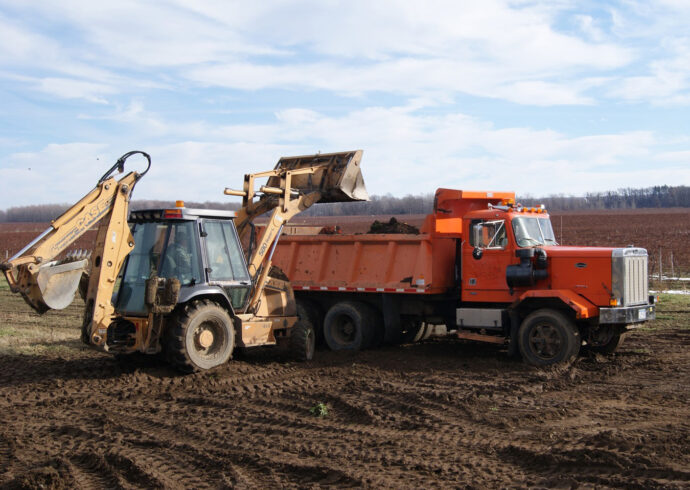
(178, 281)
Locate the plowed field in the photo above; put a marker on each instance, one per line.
(437, 414)
(664, 232)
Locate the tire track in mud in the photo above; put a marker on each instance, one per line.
(185, 444)
(6, 453)
(429, 417)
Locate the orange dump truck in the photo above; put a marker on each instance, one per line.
(488, 269)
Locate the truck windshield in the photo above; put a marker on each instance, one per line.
(170, 249)
(531, 232)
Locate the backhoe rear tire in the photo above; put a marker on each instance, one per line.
(348, 326)
(200, 336)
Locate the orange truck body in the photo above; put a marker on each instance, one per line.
(442, 276)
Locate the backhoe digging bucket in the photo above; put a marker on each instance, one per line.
(338, 176)
(55, 285)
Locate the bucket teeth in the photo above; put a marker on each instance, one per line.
(75, 256)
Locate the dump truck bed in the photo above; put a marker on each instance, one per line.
(391, 263)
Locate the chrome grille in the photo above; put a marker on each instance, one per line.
(629, 276)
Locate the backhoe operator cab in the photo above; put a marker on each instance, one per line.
(198, 247)
(200, 273)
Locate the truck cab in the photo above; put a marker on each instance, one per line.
(516, 278)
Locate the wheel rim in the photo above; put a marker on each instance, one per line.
(344, 330)
(209, 339)
(545, 341)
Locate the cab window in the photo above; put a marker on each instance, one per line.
(224, 254)
(488, 234)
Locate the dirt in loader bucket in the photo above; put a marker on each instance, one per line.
(338, 176)
(393, 226)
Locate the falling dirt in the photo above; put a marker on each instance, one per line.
(441, 413)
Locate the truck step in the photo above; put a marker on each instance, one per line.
(494, 339)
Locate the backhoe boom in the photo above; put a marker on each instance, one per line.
(46, 283)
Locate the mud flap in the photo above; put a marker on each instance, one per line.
(513, 348)
(391, 319)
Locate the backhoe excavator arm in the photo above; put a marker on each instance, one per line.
(48, 284)
(293, 186)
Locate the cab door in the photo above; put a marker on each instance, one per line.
(485, 257)
(226, 266)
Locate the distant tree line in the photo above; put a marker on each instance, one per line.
(650, 197)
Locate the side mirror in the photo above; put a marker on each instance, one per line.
(477, 253)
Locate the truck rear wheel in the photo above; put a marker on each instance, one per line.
(548, 337)
(200, 336)
(302, 341)
(412, 329)
(347, 326)
(604, 340)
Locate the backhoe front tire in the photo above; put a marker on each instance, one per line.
(302, 341)
(547, 337)
(309, 311)
(200, 336)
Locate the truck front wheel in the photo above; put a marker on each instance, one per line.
(548, 337)
(200, 336)
(347, 326)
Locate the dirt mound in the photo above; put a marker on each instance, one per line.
(330, 230)
(393, 226)
(278, 273)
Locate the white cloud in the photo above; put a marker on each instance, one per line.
(75, 89)
(667, 80)
(55, 174)
(405, 152)
(491, 49)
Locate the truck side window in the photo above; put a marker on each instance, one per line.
(488, 234)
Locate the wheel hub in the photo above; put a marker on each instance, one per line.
(206, 339)
(545, 341)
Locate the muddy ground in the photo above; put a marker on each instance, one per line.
(441, 413)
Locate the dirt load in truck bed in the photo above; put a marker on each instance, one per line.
(440, 413)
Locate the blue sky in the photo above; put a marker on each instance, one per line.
(552, 97)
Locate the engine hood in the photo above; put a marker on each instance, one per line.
(573, 252)
(585, 270)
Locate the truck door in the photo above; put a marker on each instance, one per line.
(484, 260)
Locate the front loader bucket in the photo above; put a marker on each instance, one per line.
(55, 285)
(338, 176)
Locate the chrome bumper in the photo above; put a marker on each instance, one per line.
(627, 314)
